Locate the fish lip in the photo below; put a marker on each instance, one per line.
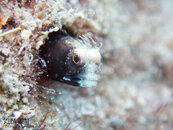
(80, 77)
(79, 80)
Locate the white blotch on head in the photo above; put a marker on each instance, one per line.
(90, 76)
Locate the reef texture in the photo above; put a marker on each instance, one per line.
(135, 89)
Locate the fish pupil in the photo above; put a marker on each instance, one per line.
(76, 59)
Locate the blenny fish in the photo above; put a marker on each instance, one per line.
(71, 60)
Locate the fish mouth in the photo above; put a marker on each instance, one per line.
(82, 80)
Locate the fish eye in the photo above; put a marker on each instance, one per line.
(76, 58)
